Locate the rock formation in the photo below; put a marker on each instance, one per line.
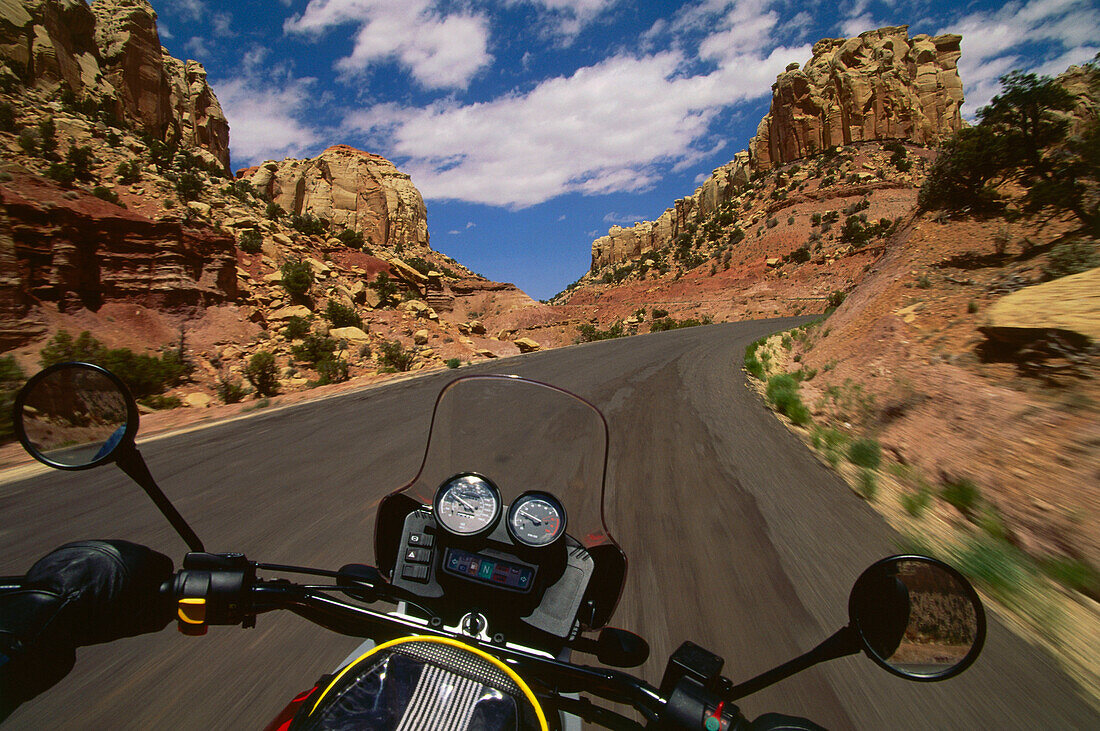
(74, 250)
(351, 189)
(109, 55)
(881, 85)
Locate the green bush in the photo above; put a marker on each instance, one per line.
(274, 211)
(868, 484)
(351, 238)
(309, 225)
(262, 373)
(453, 363)
(996, 565)
(250, 241)
(81, 160)
(297, 277)
(962, 494)
(836, 298)
(104, 193)
(128, 172)
(384, 286)
(314, 348)
(340, 315)
(588, 333)
(394, 357)
(7, 118)
(145, 375)
(1073, 573)
(659, 313)
(47, 137)
(62, 173)
(296, 328)
(782, 393)
(189, 186)
(915, 503)
(865, 453)
(229, 389)
(332, 370)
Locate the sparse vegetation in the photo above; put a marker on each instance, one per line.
(250, 241)
(452, 363)
(963, 494)
(782, 393)
(385, 287)
(229, 389)
(341, 315)
(145, 375)
(588, 333)
(297, 277)
(1072, 257)
(865, 453)
(296, 328)
(393, 357)
(262, 373)
(189, 187)
(314, 348)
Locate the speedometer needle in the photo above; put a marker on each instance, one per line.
(471, 506)
(525, 514)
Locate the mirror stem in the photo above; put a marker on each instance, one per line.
(132, 463)
(843, 642)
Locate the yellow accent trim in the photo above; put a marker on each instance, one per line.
(453, 643)
(192, 611)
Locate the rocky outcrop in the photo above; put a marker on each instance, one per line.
(352, 189)
(110, 55)
(74, 251)
(1068, 303)
(881, 85)
(629, 244)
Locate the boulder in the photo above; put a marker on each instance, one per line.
(285, 313)
(420, 337)
(1069, 303)
(527, 345)
(197, 400)
(351, 334)
(485, 353)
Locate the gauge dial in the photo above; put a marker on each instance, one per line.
(536, 519)
(467, 505)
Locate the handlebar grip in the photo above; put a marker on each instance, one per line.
(212, 589)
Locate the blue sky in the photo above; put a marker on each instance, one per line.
(532, 126)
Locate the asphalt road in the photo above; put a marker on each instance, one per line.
(738, 539)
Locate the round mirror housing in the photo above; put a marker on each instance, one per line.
(73, 416)
(917, 617)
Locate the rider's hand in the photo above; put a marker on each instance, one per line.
(82, 593)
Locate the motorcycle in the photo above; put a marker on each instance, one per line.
(494, 567)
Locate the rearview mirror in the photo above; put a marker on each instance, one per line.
(73, 416)
(917, 617)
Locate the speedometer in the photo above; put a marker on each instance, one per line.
(536, 519)
(467, 505)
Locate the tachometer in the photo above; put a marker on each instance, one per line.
(467, 505)
(536, 519)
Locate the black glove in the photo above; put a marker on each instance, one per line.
(80, 594)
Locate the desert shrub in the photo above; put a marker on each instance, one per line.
(229, 389)
(242, 190)
(297, 277)
(262, 373)
(274, 211)
(963, 494)
(128, 172)
(104, 193)
(393, 356)
(831, 442)
(997, 565)
(11, 379)
(453, 363)
(1072, 257)
(868, 484)
(296, 328)
(801, 255)
(340, 315)
(669, 323)
(865, 453)
(189, 186)
(314, 348)
(62, 173)
(384, 286)
(782, 393)
(309, 225)
(1073, 573)
(364, 350)
(250, 241)
(332, 370)
(47, 137)
(28, 141)
(351, 238)
(143, 374)
(836, 298)
(772, 222)
(753, 364)
(588, 333)
(961, 175)
(915, 503)
(659, 313)
(7, 118)
(81, 159)
(924, 281)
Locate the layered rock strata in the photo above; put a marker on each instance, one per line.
(352, 189)
(76, 251)
(109, 54)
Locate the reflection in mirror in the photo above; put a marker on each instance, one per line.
(941, 615)
(74, 417)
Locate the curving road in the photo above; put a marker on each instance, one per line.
(739, 540)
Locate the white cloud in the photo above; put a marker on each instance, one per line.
(265, 107)
(569, 17)
(993, 41)
(198, 48)
(440, 50)
(470, 224)
(625, 220)
(853, 25)
(191, 9)
(614, 126)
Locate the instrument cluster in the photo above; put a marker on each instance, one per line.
(470, 505)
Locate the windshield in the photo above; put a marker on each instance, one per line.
(522, 435)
